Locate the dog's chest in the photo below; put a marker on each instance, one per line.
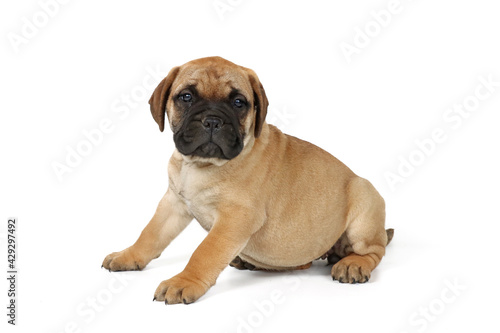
(199, 195)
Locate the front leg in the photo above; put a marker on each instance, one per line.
(170, 219)
(224, 242)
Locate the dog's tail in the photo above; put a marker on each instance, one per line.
(390, 234)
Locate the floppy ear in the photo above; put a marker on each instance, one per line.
(158, 100)
(260, 101)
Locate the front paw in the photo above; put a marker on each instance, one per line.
(125, 260)
(180, 289)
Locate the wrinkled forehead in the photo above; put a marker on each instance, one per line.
(213, 82)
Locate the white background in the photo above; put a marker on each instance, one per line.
(77, 69)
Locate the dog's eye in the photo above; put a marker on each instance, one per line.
(238, 102)
(186, 97)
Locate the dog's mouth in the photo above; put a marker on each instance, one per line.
(197, 139)
(208, 149)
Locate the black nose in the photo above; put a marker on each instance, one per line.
(212, 124)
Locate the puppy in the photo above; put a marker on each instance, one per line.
(268, 200)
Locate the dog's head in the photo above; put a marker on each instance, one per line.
(213, 107)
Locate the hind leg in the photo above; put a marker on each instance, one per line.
(240, 264)
(365, 234)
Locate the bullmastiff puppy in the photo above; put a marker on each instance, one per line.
(268, 200)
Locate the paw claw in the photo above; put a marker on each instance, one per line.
(126, 260)
(350, 270)
(180, 290)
